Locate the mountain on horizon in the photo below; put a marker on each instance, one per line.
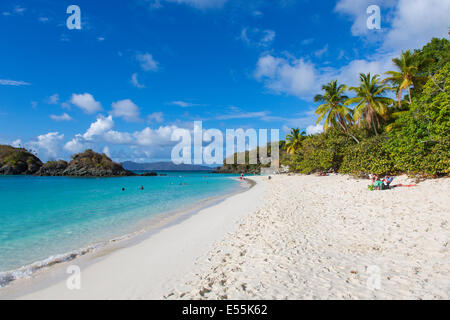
(163, 166)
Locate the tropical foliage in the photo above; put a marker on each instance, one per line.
(369, 132)
(294, 140)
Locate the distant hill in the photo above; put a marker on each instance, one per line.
(163, 166)
(18, 161)
(85, 164)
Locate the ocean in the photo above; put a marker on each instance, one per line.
(51, 219)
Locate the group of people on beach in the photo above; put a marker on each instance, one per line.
(379, 183)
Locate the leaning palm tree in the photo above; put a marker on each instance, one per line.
(408, 74)
(333, 109)
(294, 140)
(371, 103)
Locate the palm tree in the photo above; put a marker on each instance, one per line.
(332, 107)
(408, 74)
(371, 104)
(294, 140)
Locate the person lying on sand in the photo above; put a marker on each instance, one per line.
(387, 182)
(372, 178)
(378, 184)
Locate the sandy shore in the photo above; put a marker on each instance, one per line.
(331, 238)
(292, 237)
(150, 267)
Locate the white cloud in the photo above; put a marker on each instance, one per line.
(63, 117)
(416, 22)
(16, 143)
(76, 145)
(201, 4)
(307, 41)
(319, 53)
(106, 151)
(154, 137)
(99, 127)
(287, 75)
(95, 132)
(54, 99)
(135, 81)
(48, 144)
(125, 109)
(412, 22)
(147, 62)
(100, 39)
(357, 11)
(19, 9)
(117, 137)
(145, 143)
(318, 128)
(185, 104)
(256, 37)
(86, 102)
(243, 115)
(156, 116)
(43, 19)
(5, 82)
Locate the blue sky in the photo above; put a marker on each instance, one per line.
(139, 69)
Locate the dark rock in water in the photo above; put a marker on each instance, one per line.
(53, 168)
(149, 174)
(92, 164)
(15, 161)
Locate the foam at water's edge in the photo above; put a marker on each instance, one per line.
(28, 271)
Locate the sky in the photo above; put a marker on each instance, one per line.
(137, 70)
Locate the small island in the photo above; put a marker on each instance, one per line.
(19, 161)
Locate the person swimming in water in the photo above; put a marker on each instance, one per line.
(142, 188)
(123, 189)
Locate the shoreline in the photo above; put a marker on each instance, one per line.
(48, 275)
(144, 229)
(331, 238)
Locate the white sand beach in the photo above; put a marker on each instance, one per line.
(291, 237)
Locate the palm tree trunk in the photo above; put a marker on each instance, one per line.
(374, 127)
(400, 98)
(348, 132)
(409, 92)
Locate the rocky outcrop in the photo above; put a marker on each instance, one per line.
(92, 164)
(18, 161)
(149, 174)
(53, 168)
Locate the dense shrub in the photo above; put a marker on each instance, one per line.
(422, 144)
(370, 156)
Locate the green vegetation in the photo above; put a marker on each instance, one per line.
(90, 163)
(15, 161)
(372, 133)
(18, 161)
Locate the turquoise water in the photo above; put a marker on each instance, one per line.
(41, 217)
